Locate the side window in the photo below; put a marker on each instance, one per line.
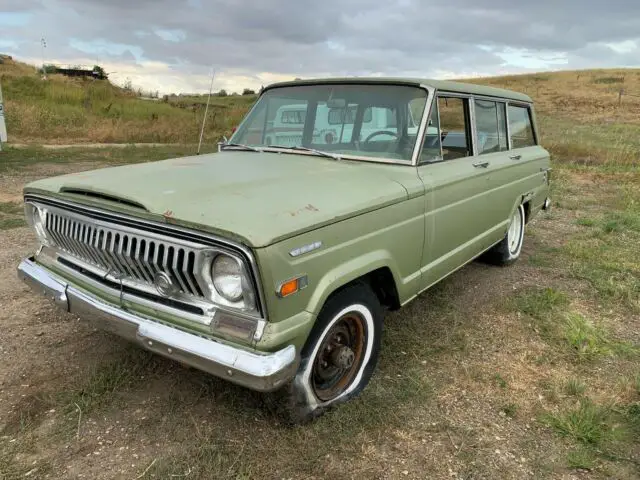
(347, 115)
(520, 127)
(448, 129)
(292, 116)
(491, 126)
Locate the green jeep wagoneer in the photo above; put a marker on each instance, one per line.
(271, 262)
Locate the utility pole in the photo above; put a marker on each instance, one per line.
(43, 45)
(206, 109)
(3, 128)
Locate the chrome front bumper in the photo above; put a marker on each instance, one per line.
(257, 371)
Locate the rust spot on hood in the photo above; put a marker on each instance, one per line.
(168, 214)
(308, 208)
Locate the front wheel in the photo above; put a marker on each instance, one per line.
(508, 250)
(339, 357)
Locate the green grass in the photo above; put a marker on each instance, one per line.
(62, 109)
(510, 409)
(11, 215)
(571, 332)
(13, 159)
(588, 423)
(583, 337)
(575, 387)
(582, 458)
(103, 385)
(501, 382)
(606, 148)
(585, 222)
(537, 303)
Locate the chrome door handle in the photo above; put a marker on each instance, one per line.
(481, 164)
(515, 157)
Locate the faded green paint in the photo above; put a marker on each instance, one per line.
(421, 223)
(441, 85)
(256, 198)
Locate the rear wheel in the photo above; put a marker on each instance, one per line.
(508, 250)
(339, 357)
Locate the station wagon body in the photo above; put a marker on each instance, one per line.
(271, 265)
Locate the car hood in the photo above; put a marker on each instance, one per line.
(255, 198)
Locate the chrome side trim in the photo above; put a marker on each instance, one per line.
(258, 371)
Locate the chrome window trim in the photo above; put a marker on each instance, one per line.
(443, 93)
(426, 112)
(471, 98)
(471, 105)
(211, 239)
(510, 142)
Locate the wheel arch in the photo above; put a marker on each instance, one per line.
(375, 269)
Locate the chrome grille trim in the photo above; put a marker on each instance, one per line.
(201, 244)
(125, 254)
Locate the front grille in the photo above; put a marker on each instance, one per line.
(122, 253)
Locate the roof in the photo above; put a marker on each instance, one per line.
(442, 85)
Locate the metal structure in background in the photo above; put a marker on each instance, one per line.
(43, 45)
(3, 127)
(206, 110)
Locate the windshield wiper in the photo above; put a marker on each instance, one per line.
(244, 147)
(307, 149)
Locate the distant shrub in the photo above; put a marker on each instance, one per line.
(540, 78)
(222, 93)
(609, 80)
(248, 91)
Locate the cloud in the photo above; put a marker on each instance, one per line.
(249, 43)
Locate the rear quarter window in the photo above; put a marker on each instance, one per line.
(520, 127)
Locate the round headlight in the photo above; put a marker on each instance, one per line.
(227, 278)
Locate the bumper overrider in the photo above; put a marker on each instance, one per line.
(257, 371)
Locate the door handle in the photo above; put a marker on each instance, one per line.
(481, 164)
(515, 157)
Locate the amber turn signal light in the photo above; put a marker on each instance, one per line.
(292, 286)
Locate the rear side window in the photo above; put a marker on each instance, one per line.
(520, 127)
(293, 116)
(491, 126)
(338, 116)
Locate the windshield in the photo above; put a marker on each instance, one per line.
(370, 121)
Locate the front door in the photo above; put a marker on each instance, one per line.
(460, 219)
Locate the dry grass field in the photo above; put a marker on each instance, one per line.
(74, 110)
(529, 371)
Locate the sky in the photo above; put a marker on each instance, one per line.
(174, 45)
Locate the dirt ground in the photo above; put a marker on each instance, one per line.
(464, 383)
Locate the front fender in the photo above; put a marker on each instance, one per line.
(349, 271)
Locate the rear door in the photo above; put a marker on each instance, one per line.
(457, 226)
(507, 140)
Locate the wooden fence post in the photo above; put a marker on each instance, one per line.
(620, 93)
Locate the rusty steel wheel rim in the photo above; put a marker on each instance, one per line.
(339, 357)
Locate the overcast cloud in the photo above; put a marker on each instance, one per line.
(171, 45)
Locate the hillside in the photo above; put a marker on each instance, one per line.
(581, 114)
(69, 110)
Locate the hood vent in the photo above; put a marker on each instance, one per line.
(103, 197)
